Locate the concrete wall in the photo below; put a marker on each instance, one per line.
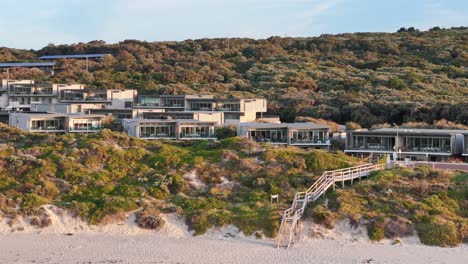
(120, 97)
(217, 117)
(250, 111)
(20, 121)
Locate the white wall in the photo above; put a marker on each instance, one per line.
(119, 97)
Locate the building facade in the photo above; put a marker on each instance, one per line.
(169, 129)
(401, 143)
(56, 123)
(295, 134)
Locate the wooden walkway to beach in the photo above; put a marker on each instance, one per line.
(329, 179)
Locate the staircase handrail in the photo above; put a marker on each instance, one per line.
(319, 187)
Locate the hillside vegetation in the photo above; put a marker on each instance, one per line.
(99, 176)
(367, 78)
(400, 202)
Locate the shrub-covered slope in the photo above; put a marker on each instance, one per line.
(395, 203)
(210, 183)
(368, 78)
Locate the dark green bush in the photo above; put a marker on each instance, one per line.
(376, 229)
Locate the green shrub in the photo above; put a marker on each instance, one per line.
(225, 132)
(32, 201)
(323, 216)
(376, 229)
(439, 233)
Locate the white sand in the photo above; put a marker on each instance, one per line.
(126, 243)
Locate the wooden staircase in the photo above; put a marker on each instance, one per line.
(289, 222)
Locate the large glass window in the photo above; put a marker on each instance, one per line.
(178, 102)
(157, 131)
(427, 144)
(21, 89)
(53, 124)
(373, 142)
(149, 101)
(229, 107)
(196, 131)
(202, 106)
(309, 136)
(86, 124)
(269, 135)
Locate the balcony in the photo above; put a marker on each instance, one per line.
(85, 128)
(271, 140)
(197, 136)
(310, 141)
(48, 129)
(371, 147)
(428, 149)
(158, 135)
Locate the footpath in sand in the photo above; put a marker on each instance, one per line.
(68, 240)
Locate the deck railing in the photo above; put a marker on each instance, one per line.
(292, 215)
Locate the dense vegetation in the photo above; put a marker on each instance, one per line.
(101, 175)
(367, 78)
(399, 202)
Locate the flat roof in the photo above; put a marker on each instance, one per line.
(408, 131)
(45, 115)
(26, 64)
(141, 120)
(283, 125)
(73, 56)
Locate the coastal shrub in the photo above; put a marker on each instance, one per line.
(398, 227)
(423, 172)
(82, 209)
(225, 132)
(376, 229)
(324, 216)
(260, 218)
(31, 201)
(149, 218)
(435, 232)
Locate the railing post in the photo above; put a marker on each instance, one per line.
(333, 178)
(342, 180)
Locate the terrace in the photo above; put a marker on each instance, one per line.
(153, 131)
(31, 90)
(85, 124)
(48, 125)
(309, 137)
(197, 131)
(372, 143)
(426, 144)
(83, 96)
(275, 135)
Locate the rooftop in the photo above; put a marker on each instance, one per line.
(284, 125)
(182, 121)
(72, 56)
(54, 115)
(412, 131)
(26, 64)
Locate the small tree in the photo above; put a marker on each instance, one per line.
(352, 126)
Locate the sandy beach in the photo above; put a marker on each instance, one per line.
(69, 240)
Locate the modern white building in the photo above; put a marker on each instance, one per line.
(56, 123)
(295, 134)
(23, 95)
(400, 143)
(169, 129)
(234, 109)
